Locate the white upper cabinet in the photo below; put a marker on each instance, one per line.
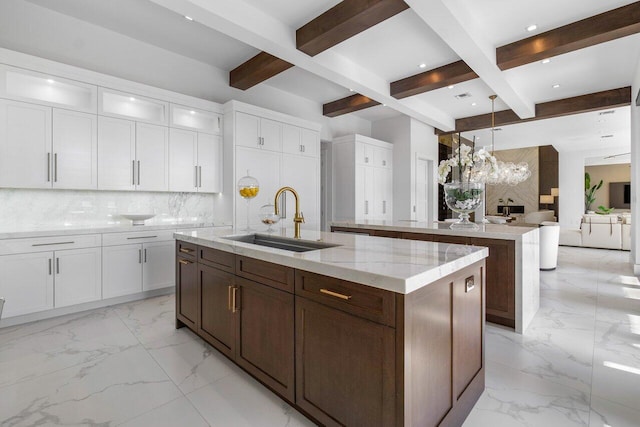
(130, 106)
(75, 150)
(183, 160)
(46, 89)
(297, 140)
(258, 132)
(209, 163)
(25, 145)
(195, 119)
(116, 154)
(152, 157)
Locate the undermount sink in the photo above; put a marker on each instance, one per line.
(288, 244)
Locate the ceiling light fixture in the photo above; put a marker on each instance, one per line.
(188, 18)
(192, 112)
(531, 27)
(555, 86)
(473, 104)
(500, 172)
(450, 87)
(350, 90)
(132, 99)
(546, 61)
(51, 81)
(423, 65)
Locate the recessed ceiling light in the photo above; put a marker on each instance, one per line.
(350, 90)
(555, 86)
(132, 99)
(532, 27)
(473, 104)
(450, 86)
(51, 81)
(606, 136)
(192, 112)
(423, 65)
(546, 61)
(188, 18)
(384, 105)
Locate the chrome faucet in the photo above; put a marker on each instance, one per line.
(298, 218)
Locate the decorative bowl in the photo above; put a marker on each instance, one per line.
(137, 218)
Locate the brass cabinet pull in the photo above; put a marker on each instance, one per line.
(335, 294)
(229, 297)
(184, 262)
(186, 250)
(234, 290)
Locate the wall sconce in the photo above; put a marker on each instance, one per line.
(546, 199)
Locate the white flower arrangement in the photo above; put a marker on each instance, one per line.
(475, 166)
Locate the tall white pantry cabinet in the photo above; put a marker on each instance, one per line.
(278, 150)
(363, 179)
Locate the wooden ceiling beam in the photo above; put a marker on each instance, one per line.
(344, 20)
(348, 105)
(563, 107)
(261, 67)
(456, 72)
(591, 31)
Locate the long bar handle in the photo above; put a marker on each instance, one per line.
(55, 167)
(234, 291)
(186, 250)
(199, 176)
(50, 244)
(49, 266)
(141, 237)
(185, 261)
(335, 294)
(195, 176)
(48, 167)
(139, 256)
(145, 255)
(138, 172)
(57, 265)
(133, 172)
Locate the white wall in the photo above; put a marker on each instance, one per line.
(38, 31)
(635, 172)
(424, 144)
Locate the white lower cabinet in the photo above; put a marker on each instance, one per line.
(77, 276)
(39, 274)
(131, 268)
(26, 283)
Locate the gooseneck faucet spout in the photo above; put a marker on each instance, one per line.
(298, 218)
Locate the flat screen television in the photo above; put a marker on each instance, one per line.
(620, 195)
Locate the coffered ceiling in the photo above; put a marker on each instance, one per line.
(427, 35)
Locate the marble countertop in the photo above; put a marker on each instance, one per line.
(396, 265)
(49, 230)
(488, 231)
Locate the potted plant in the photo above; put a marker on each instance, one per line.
(589, 192)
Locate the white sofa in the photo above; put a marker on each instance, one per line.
(600, 231)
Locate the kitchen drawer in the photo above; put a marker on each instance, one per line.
(360, 300)
(277, 276)
(222, 260)
(44, 244)
(114, 239)
(187, 250)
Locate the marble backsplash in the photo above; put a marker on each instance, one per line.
(25, 209)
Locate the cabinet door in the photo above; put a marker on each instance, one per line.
(382, 157)
(209, 163)
(265, 345)
(310, 141)
(25, 145)
(383, 194)
(271, 133)
(152, 157)
(291, 139)
(183, 153)
(75, 150)
(370, 191)
(187, 292)
(121, 270)
(265, 167)
(158, 268)
(247, 132)
(217, 320)
(345, 367)
(362, 205)
(26, 283)
(302, 173)
(116, 154)
(78, 276)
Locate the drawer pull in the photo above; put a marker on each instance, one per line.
(141, 237)
(186, 250)
(185, 262)
(335, 294)
(233, 299)
(50, 244)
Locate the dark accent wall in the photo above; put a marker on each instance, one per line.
(548, 176)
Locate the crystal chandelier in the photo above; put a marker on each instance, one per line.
(500, 173)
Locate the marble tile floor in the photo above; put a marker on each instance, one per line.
(577, 365)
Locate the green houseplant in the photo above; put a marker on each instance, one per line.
(589, 191)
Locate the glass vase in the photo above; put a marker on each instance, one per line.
(463, 198)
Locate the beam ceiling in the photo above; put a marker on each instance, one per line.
(348, 105)
(256, 70)
(456, 72)
(578, 104)
(620, 22)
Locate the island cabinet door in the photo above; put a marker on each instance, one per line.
(216, 323)
(501, 307)
(265, 346)
(345, 367)
(187, 292)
